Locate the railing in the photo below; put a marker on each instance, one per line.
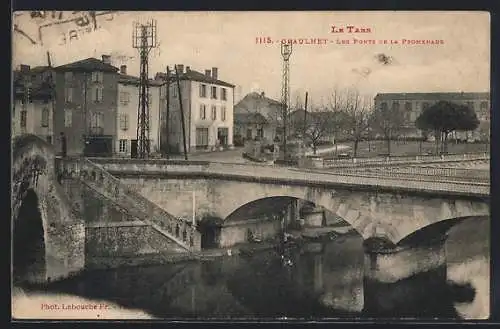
(329, 162)
(178, 230)
(294, 176)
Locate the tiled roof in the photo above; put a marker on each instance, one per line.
(133, 80)
(433, 96)
(193, 75)
(89, 64)
(248, 118)
(260, 97)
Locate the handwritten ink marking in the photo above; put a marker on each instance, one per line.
(21, 32)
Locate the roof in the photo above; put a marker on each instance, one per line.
(261, 97)
(193, 75)
(133, 80)
(433, 96)
(89, 64)
(248, 118)
(40, 86)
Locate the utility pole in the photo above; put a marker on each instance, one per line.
(144, 39)
(286, 51)
(167, 121)
(305, 114)
(177, 77)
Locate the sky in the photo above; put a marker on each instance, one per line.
(227, 40)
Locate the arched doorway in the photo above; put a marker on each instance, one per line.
(210, 229)
(29, 244)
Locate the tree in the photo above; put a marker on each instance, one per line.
(355, 110)
(315, 125)
(388, 122)
(445, 117)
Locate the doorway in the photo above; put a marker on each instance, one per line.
(29, 244)
(210, 229)
(222, 134)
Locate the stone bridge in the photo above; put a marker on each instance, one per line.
(49, 236)
(389, 208)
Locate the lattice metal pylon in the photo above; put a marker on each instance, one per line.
(286, 51)
(144, 39)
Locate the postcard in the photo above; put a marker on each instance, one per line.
(251, 165)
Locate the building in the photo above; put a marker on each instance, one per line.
(128, 104)
(207, 104)
(86, 106)
(269, 108)
(33, 102)
(248, 126)
(414, 103)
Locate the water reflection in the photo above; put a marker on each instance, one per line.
(324, 280)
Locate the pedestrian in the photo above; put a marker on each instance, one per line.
(64, 149)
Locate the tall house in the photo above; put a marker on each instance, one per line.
(86, 106)
(33, 101)
(128, 104)
(414, 103)
(207, 104)
(259, 103)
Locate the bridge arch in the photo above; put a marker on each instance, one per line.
(35, 189)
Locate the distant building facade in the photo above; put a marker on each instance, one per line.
(128, 104)
(249, 126)
(86, 106)
(33, 102)
(412, 104)
(207, 104)
(269, 108)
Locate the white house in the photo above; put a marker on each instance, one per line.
(207, 104)
(128, 104)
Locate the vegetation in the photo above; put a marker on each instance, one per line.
(388, 122)
(445, 117)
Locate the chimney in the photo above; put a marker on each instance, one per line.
(106, 59)
(180, 68)
(214, 73)
(208, 72)
(188, 69)
(123, 69)
(24, 68)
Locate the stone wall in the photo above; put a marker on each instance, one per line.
(262, 229)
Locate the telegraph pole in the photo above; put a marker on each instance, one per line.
(167, 121)
(286, 51)
(144, 39)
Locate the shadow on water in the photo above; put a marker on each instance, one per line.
(323, 280)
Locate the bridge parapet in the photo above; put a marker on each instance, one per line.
(177, 229)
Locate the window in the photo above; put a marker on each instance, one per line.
(223, 113)
(48, 139)
(68, 118)
(124, 121)
(425, 105)
(203, 112)
(123, 146)
(214, 92)
(68, 77)
(201, 136)
(174, 92)
(249, 133)
(203, 90)
(24, 118)
(97, 94)
(395, 106)
(68, 94)
(408, 107)
(260, 133)
(150, 99)
(124, 97)
(214, 112)
(484, 106)
(97, 77)
(470, 105)
(45, 117)
(383, 107)
(96, 123)
(223, 94)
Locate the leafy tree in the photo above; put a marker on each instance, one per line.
(387, 121)
(445, 117)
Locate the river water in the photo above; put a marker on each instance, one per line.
(325, 281)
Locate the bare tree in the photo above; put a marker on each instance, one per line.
(356, 110)
(387, 121)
